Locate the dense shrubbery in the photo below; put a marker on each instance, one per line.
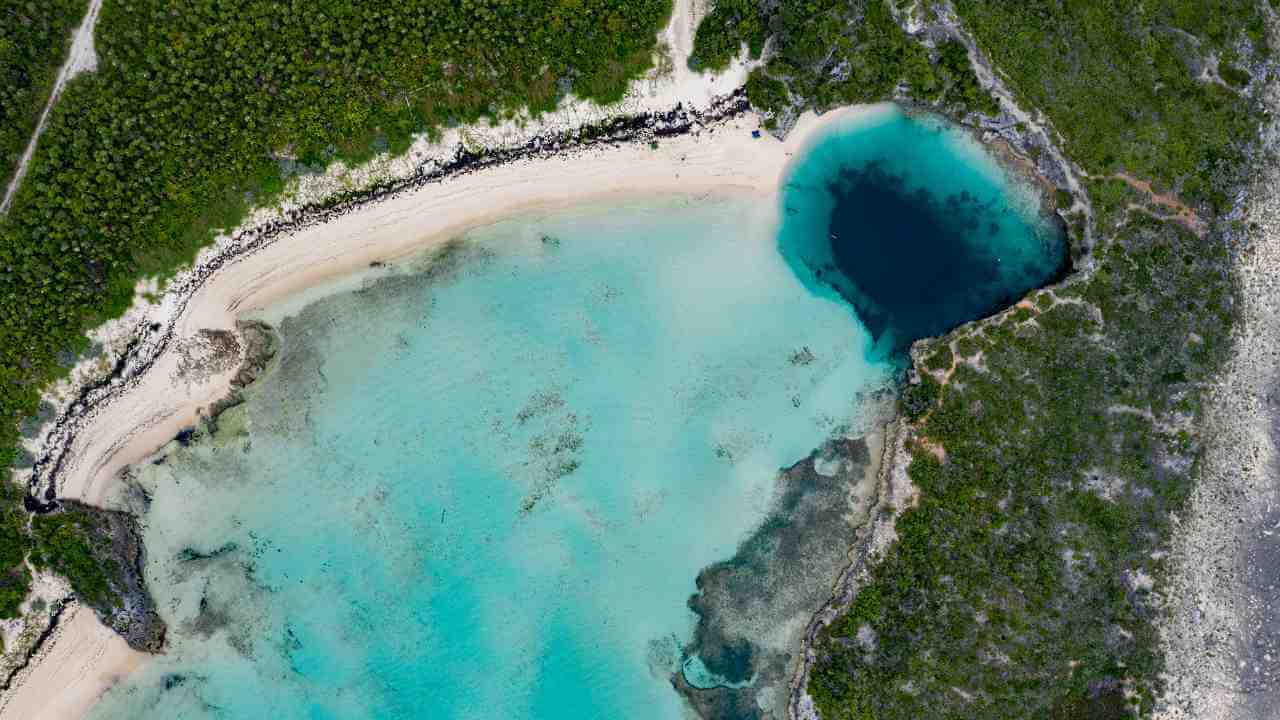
(729, 26)
(1014, 579)
(826, 53)
(34, 38)
(1119, 80)
(180, 129)
(15, 579)
(65, 543)
(1014, 587)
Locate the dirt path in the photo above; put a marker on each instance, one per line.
(1182, 213)
(82, 58)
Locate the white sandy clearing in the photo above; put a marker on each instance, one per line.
(80, 662)
(81, 58)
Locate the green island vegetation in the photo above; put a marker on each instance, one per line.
(34, 38)
(827, 53)
(1052, 441)
(199, 110)
(1069, 435)
(1128, 84)
(74, 544)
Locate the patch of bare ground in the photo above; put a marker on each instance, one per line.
(1222, 633)
(1179, 211)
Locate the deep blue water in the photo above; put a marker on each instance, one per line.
(483, 485)
(916, 226)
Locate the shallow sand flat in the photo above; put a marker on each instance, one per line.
(80, 662)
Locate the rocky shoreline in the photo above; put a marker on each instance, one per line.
(118, 548)
(893, 493)
(752, 608)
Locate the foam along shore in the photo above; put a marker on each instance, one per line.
(202, 355)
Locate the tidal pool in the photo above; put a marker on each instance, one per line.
(484, 485)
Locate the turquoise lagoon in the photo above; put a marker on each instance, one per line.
(482, 485)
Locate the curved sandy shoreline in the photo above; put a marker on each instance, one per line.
(189, 373)
(324, 258)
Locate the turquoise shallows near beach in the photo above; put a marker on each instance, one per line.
(483, 485)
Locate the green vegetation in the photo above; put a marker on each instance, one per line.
(197, 111)
(722, 33)
(14, 546)
(767, 94)
(1019, 585)
(75, 544)
(1015, 579)
(1120, 82)
(941, 359)
(827, 53)
(1234, 76)
(34, 39)
(959, 81)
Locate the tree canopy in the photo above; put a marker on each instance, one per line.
(34, 39)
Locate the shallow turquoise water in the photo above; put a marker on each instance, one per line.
(483, 487)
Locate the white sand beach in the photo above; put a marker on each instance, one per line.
(83, 658)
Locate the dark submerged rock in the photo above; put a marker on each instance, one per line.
(783, 571)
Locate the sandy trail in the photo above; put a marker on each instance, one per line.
(81, 58)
